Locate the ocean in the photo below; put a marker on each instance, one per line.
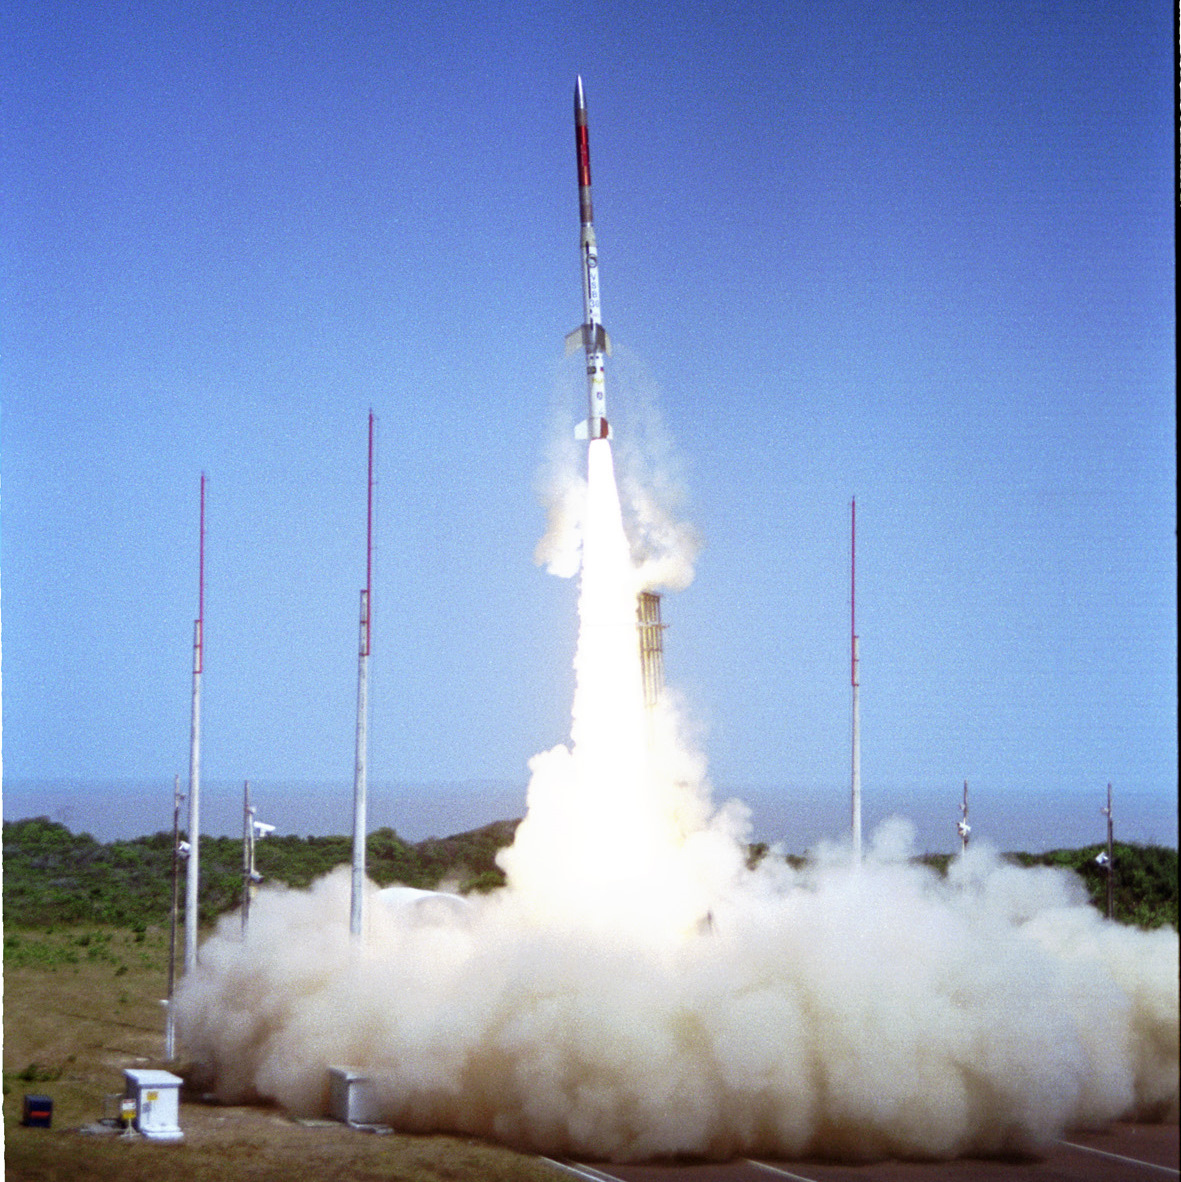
(796, 817)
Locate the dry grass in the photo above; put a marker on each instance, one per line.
(81, 1004)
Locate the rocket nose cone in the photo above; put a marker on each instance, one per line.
(579, 98)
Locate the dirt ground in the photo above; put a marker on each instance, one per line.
(82, 1004)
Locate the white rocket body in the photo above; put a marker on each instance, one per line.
(590, 334)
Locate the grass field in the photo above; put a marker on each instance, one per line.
(83, 1003)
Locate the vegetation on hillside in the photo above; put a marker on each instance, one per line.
(53, 876)
(1145, 888)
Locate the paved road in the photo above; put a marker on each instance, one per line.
(1124, 1153)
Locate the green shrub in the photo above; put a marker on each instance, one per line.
(52, 877)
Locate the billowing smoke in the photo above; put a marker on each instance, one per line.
(636, 990)
(561, 488)
(885, 1011)
(664, 545)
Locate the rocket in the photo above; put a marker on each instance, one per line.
(590, 333)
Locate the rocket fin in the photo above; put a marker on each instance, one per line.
(602, 429)
(600, 342)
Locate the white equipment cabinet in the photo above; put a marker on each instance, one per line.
(157, 1103)
(352, 1097)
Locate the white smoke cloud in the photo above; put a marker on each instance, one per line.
(637, 991)
(653, 498)
(561, 489)
(664, 547)
(664, 544)
(879, 1010)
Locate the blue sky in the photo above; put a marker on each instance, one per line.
(916, 256)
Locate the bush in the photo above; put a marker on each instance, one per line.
(52, 876)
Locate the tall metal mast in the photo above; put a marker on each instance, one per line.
(360, 779)
(193, 869)
(856, 680)
(170, 1017)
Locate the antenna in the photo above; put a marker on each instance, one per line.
(247, 853)
(855, 678)
(1108, 861)
(252, 830)
(962, 826)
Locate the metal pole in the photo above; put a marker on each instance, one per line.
(193, 869)
(856, 678)
(360, 782)
(247, 854)
(1110, 860)
(361, 774)
(964, 828)
(170, 1020)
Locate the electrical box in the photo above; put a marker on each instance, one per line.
(352, 1097)
(157, 1103)
(37, 1112)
